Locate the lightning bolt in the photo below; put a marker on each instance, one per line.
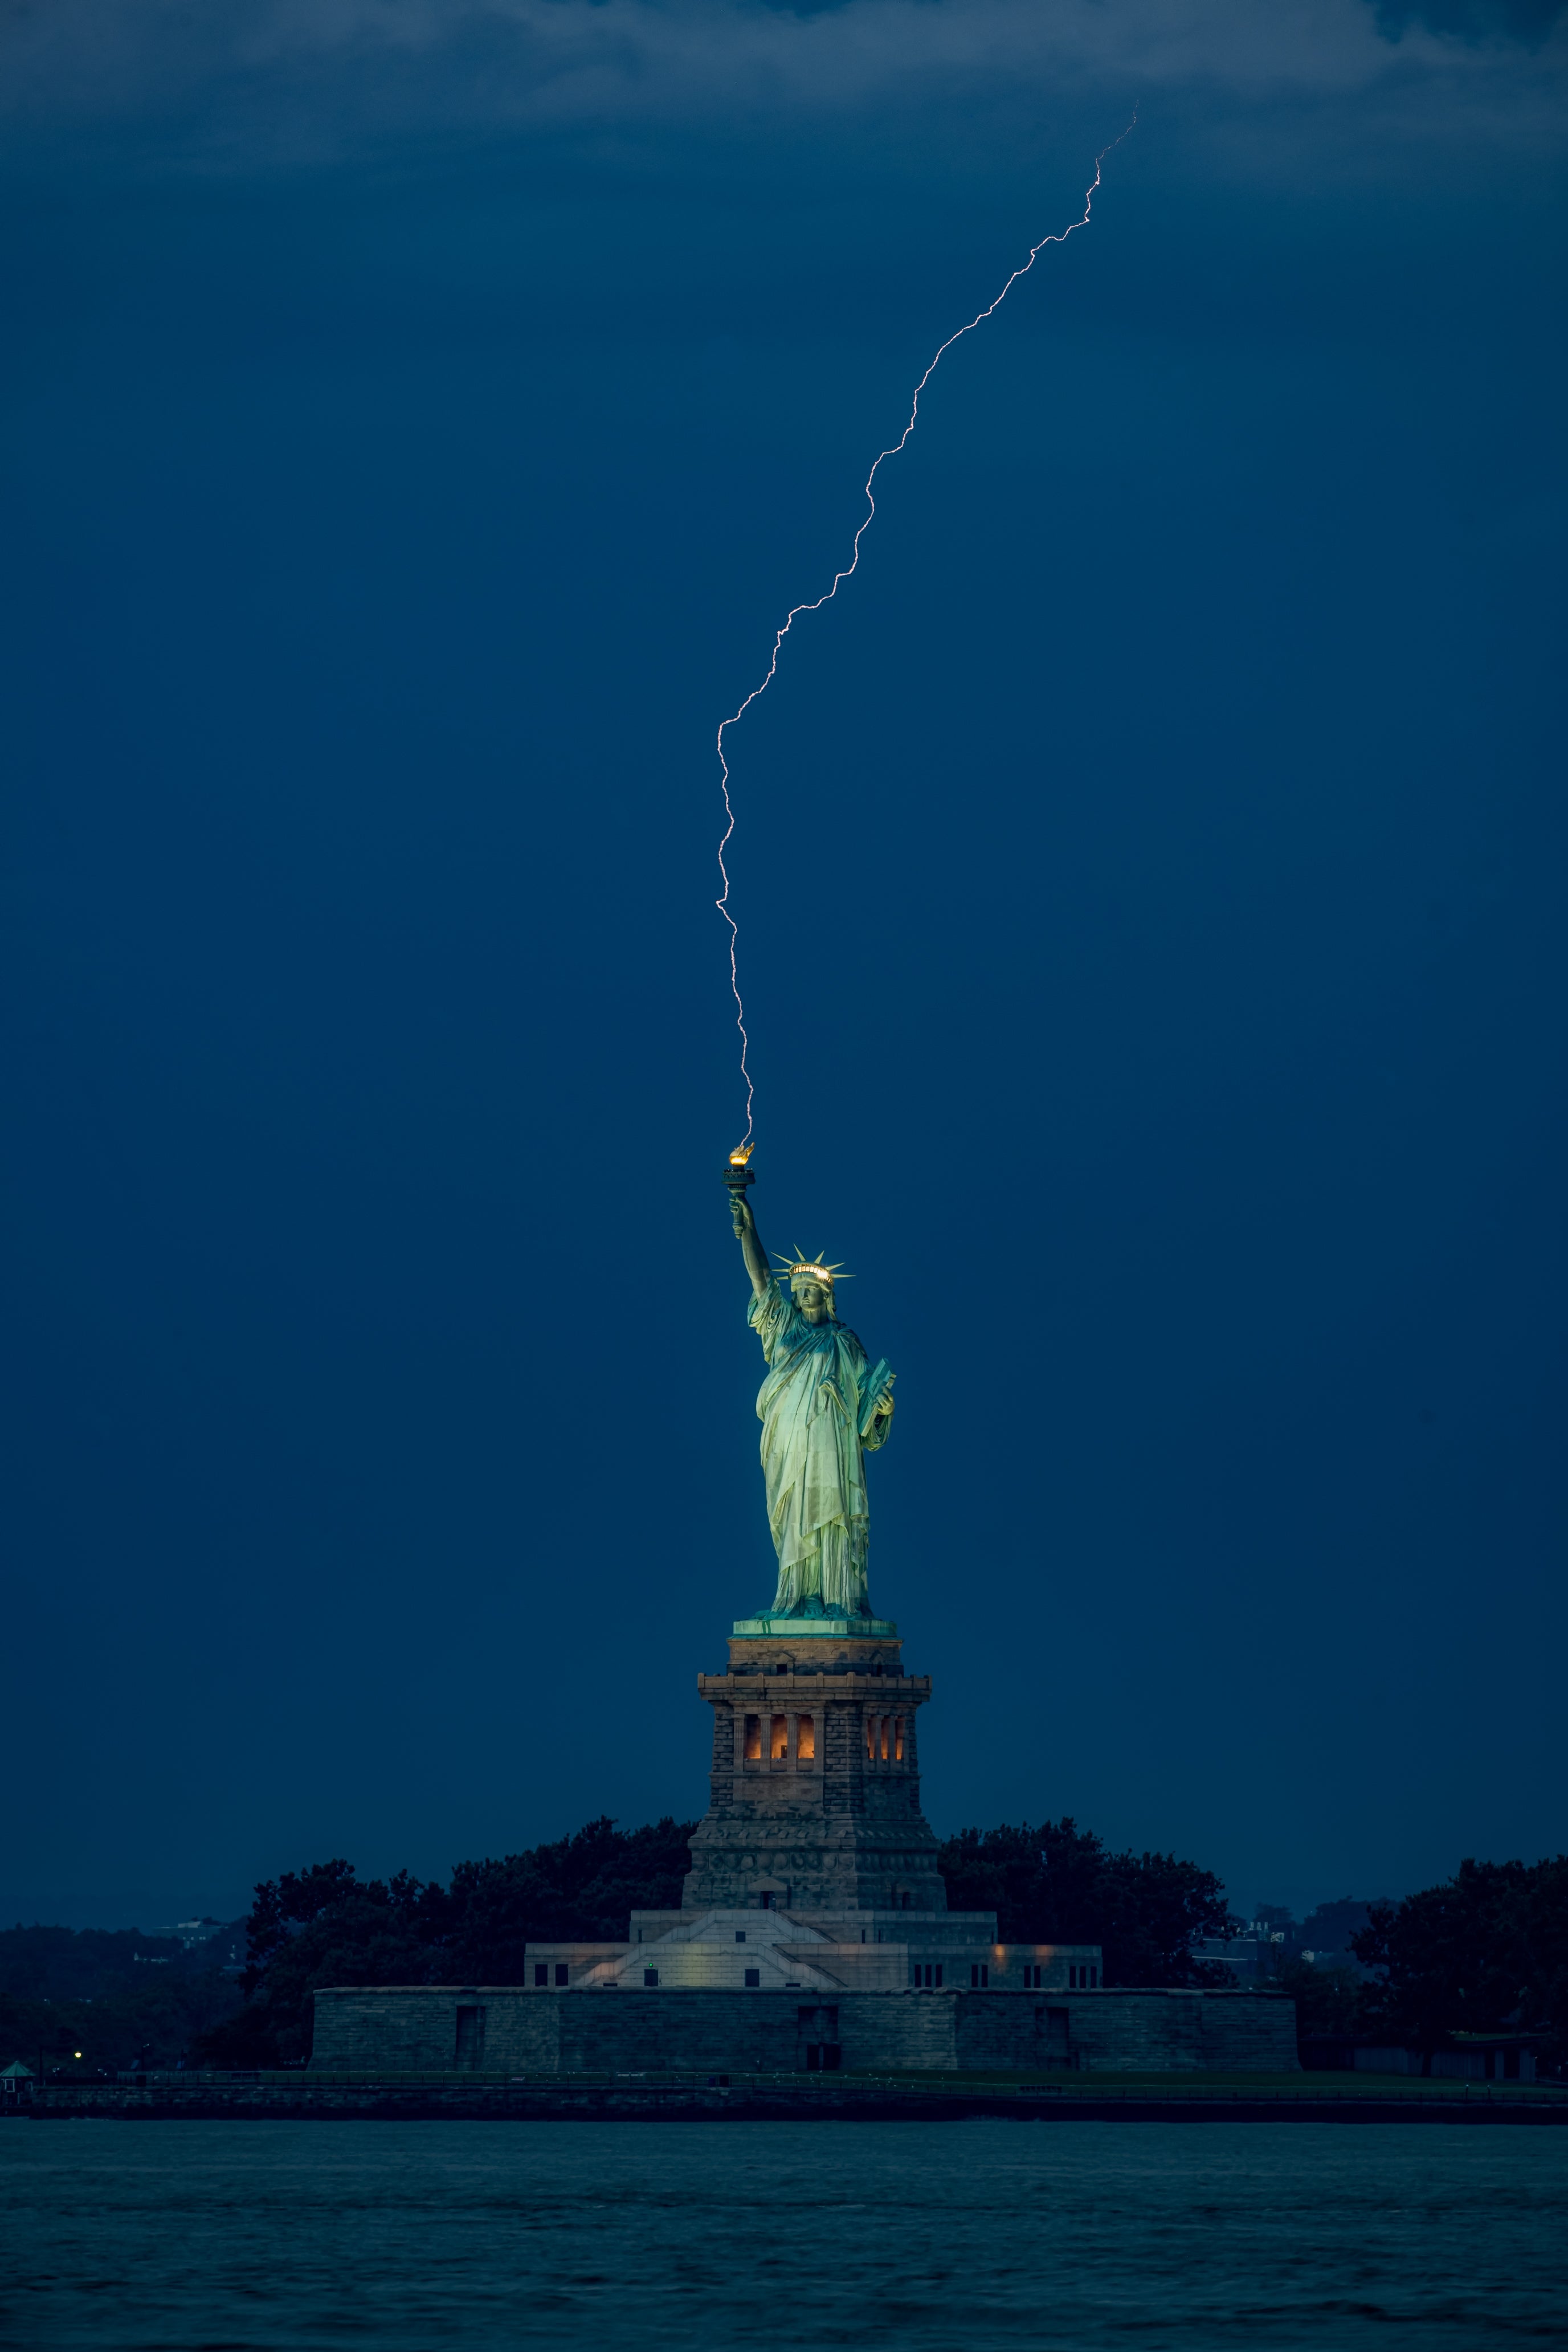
(1058, 236)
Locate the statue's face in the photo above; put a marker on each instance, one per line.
(812, 1301)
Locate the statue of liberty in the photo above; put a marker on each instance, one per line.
(822, 1411)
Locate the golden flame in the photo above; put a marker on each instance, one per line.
(742, 1153)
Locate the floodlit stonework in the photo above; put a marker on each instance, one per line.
(814, 1931)
(498, 2029)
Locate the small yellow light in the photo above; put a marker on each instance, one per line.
(76, 2054)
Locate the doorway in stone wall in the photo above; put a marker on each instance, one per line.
(818, 2050)
(1051, 2026)
(470, 2046)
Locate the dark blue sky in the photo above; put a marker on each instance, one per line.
(1152, 874)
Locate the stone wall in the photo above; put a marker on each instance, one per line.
(420, 2028)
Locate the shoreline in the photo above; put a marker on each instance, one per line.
(784, 2099)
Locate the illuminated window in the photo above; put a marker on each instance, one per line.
(885, 1729)
(778, 1745)
(898, 1739)
(870, 1739)
(754, 1738)
(805, 1739)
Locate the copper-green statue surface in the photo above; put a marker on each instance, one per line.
(823, 1409)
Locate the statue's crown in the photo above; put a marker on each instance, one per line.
(813, 1269)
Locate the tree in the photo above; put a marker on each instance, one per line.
(1485, 1951)
(120, 1997)
(155, 2025)
(96, 1964)
(582, 1889)
(1542, 1948)
(325, 1925)
(1327, 2001)
(1058, 1884)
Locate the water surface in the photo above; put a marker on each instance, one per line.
(155, 2237)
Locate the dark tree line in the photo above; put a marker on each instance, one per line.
(1484, 1952)
(325, 1925)
(1059, 1884)
(118, 1998)
(94, 1964)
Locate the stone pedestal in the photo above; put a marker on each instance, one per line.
(816, 1802)
(813, 1932)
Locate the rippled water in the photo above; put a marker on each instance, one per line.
(968, 2236)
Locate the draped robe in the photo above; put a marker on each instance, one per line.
(819, 1417)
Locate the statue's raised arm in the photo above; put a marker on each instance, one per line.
(752, 1250)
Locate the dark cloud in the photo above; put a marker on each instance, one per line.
(1529, 21)
(270, 75)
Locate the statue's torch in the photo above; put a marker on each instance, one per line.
(737, 1174)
